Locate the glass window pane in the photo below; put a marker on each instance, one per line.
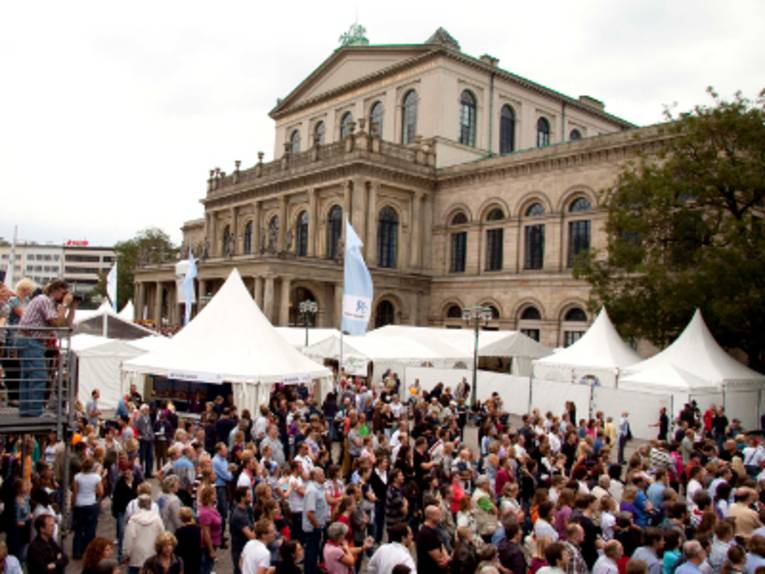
(494, 240)
(409, 117)
(459, 252)
(467, 119)
(387, 238)
(376, 119)
(507, 130)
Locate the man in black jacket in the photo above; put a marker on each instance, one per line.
(44, 555)
(510, 551)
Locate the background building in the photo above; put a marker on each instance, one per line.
(84, 264)
(41, 263)
(468, 184)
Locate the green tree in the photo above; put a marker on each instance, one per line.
(685, 230)
(150, 246)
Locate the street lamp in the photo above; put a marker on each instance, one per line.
(308, 309)
(476, 317)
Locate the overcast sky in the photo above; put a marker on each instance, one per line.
(111, 114)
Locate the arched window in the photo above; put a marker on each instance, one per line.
(578, 230)
(227, 241)
(543, 132)
(409, 117)
(385, 314)
(575, 135)
(494, 242)
(459, 218)
(345, 125)
(318, 133)
(467, 118)
(528, 326)
(301, 235)
(247, 243)
(458, 253)
(387, 237)
(495, 214)
(494, 311)
(454, 312)
(580, 204)
(575, 315)
(506, 130)
(531, 313)
(376, 119)
(572, 335)
(334, 231)
(273, 233)
(534, 238)
(295, 141)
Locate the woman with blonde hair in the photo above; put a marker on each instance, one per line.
(164, 561)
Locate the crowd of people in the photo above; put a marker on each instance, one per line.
(386, 480)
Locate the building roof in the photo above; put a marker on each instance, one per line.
(440, 43)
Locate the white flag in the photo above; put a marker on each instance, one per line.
(111, 286)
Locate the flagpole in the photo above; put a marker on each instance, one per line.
(340, 366)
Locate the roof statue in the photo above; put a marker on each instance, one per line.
(443, 38)
(355, 36)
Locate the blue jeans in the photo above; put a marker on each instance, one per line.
(120, 519)
(146, 454)
(34, 377)
(312, 542)
(84, 523)
(222, 493)
(207, 563)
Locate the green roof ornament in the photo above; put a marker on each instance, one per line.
(355, 36)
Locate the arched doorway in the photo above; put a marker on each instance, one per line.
(297, 319)
(385, 314)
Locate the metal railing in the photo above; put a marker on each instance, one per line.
(37, 382)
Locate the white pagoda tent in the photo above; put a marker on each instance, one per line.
(230, 340)
(695, 367)
(128, 312)
(295, 336)
(599, 356)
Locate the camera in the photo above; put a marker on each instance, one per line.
(77, 298)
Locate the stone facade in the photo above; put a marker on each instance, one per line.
(443, 216)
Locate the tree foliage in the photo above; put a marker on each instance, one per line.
(685, 230)
(150, 246)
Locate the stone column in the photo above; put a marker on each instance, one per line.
(140, 294)
(280, 246)
(347, 202)
(268, 298)
(212, 235)
(258, 295)
(157, 315)
(284, 302)
(313, 222)
(371, 241)
(357, 215)
(256, 228)
(234, 231)
(414, 252)
(338, 311)
(427, 232)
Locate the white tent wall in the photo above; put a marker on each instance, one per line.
(643, 408)
(102, 373)
(571, 374)
(552, 396)
(514, 391)
(743, 405)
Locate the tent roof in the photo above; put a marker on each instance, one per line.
(87, 314)
(295, 336)
(490, 343)
(229, 340)
(696, 352)
(91, 345)
(374, 348)
(128, 312)
(85, 341)
(664, 376)
(600, 347)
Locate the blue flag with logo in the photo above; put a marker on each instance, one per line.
(357, 287)
(188, 287)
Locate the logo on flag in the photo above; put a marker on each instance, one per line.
(357, 288)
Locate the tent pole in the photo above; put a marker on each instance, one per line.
(531, 386)
(340, 365)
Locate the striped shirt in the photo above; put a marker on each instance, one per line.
(39, 313)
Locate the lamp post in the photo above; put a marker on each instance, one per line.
(308, 309)
(476, 317)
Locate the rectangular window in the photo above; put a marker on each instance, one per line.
(578, 239)
(534, 257)
(459, 252)
(571, 337)
(531, 333)
(494, 240)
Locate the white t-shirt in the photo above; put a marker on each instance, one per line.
(295, 499)
(86, 488)
(244, 480)
(254, 556)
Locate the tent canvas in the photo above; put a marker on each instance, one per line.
(295, 336)
(105, 322)
(697, 352)
(229, 340)
(128, 312)
(667, 378)
(99, 364)
(600, 352)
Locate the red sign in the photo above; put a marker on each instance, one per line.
(76, 243)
